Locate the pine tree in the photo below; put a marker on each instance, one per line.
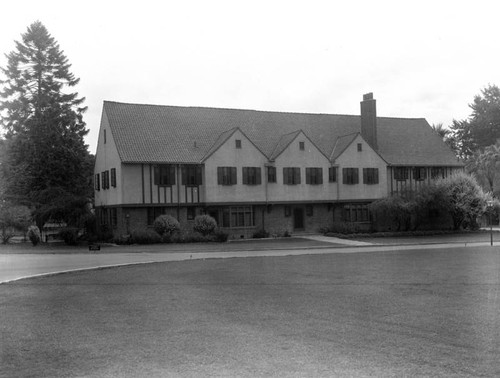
(49, 164)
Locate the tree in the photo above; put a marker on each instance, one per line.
(44, 125)
(12, 217)
(440, 130)
(482, 129)
(486, 166)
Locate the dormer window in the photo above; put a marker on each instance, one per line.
(360, 147)
(238, 143)
(302, 146)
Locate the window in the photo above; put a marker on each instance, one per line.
(105, 179)
(288, 211)
(370, 176)
(191, 213)
(191, 175)
(153, 213)
(291, 176)
(332, 174)
(271, 174)
(356, 213)
(437, 173)
(164, 175)
(238, 216)
(350, 176)
(252, 176)
(420, 173)
(302, 146)
(97, 185)
(238, 143)
(360, 147)
(309, 210)
(314, 176)
(226, 175)
(113, 177)
(400, 173)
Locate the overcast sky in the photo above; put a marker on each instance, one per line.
(420, 58)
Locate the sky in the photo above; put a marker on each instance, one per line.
(421, 59)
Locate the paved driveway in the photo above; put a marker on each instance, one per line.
(22, 265)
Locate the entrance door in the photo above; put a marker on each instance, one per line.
(298, 219)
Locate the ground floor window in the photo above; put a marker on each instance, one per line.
(108, 217)
(153, 213)
(191, 213)
(356, 212)
(238, 216)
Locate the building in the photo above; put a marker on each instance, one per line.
(255, 170)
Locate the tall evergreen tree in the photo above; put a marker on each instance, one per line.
(43, 121)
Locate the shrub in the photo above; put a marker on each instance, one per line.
(344, 228)
(34, 235)
(144, 237)
(166, 224)
(220, 236)
(69, 235)
(204, 224)
(260, 234)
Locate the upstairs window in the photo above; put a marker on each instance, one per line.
(238, 143)
(271, 174)
(291, 176)
(400, 173)
(360, 147)
(226, 175)
(332, 174)
(191, 175)
(370, 176)
(113, 177)
(252, 176)
(302, 146)
(105, 179)
(97, 185)
(164, 175)
(420, 173)
(314, 176)
(350, 176)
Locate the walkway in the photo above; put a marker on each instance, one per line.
(17, 266)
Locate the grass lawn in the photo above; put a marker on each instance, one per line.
(417, 313)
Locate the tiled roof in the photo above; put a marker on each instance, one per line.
(154, 133)
(341, 144)
(283, 143)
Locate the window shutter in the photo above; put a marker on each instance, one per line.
(365, 175)
(375, 172)
(233, 176)
(320, 176)
(356, 175)
(297, 175)
(308, 175)
(245, 176)
(113, 177)
(220, 175)
(258, 174)
(97, 184)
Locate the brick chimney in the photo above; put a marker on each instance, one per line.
(369, 120)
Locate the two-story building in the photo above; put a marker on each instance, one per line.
(254, 170)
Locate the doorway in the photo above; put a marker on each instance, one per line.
(298, 219)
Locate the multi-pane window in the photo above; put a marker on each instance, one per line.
(271, 174)
(238, 143)
(226, 175)
(113, 177)
(360, 147)
(153, 213)
(332, 174)
(105, 179)
(356, 213)
(302, 146)
(370, 176)
(291, 176)
(252, 176)
(164, 175)
(192, 175)
(314, 176)
(437, 173)
(419, 173)
(238, 216)
(350, 176)
(400, 173)
(97, 182)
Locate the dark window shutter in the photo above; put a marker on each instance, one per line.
(308, 175)
(245, 176)
(344, 175)
(220, 175)
(259, 176)
(320, 176)
(356, 175)
(297, 175)
(375, 172)
(233, 176)
(365, 175)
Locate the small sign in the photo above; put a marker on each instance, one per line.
(94, 247)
